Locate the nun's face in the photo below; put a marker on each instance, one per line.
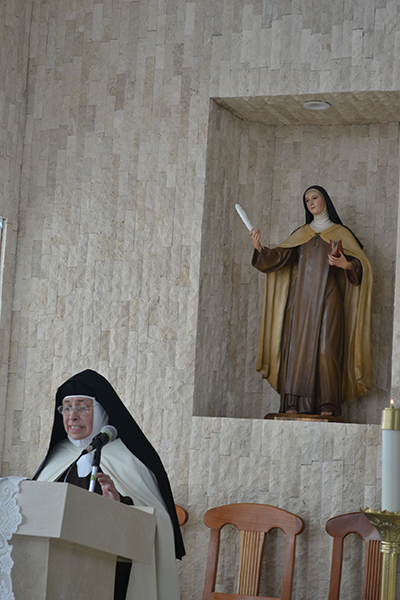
(78, 417)
(315, 202)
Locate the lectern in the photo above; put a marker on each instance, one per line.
(69, 540)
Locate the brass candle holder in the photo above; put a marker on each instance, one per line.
(388, 525)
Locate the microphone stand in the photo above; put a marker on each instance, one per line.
(95, 468)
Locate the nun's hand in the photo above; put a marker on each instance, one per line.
(255, 238)
(108, 488)
(340, 261)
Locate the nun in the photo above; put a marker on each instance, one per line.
(131, 472)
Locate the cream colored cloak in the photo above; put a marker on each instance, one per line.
(131, 478)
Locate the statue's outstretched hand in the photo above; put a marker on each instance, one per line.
(340, 261)
(255, 238)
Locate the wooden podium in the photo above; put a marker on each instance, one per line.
(69, 540)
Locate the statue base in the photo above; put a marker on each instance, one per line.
(303, 417)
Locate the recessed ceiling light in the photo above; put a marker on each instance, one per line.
(316, 105)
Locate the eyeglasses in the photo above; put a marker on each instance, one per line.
(79, 409)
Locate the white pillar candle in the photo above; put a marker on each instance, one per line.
(391, 459)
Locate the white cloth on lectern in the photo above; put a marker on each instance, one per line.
(10, 518)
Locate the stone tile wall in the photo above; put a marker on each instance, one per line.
(112, 184)
(240, 163)
(14, 47)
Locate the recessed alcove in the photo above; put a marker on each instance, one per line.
(263, 153)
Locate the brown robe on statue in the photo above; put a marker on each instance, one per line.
(312, 343)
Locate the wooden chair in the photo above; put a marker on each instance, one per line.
(254, 521)
(182, 514)
(341, 526)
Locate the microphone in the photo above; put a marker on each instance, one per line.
(107, 434)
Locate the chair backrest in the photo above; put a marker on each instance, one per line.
(182, 514)
(253, 521)
(341, 526)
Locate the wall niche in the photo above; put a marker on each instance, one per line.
(263, 153)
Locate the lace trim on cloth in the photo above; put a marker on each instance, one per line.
(10, 518)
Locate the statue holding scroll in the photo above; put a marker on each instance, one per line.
(315, 334)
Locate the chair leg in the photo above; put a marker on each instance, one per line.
(212, 564)
(336, 569)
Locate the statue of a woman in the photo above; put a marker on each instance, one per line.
(315, 333)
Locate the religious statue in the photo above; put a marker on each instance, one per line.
(315, 334)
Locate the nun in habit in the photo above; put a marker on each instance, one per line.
(131, 472)
(315, 333)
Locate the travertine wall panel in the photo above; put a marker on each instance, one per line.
(14, 41)
(110, 225)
